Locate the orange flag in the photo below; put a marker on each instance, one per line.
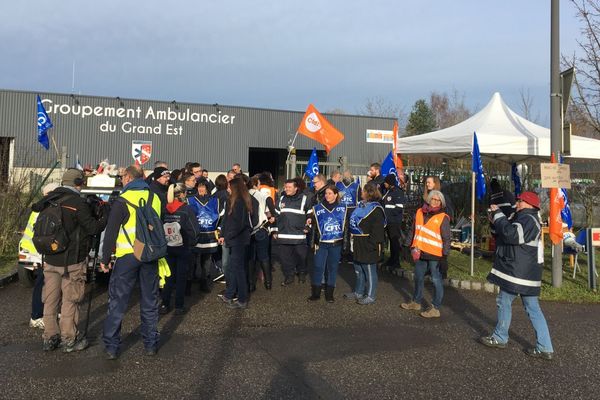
(397, 160)
(557, 203)
(316, 127)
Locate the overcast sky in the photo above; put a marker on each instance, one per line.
(284, 54)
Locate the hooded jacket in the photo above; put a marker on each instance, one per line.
(180, 216)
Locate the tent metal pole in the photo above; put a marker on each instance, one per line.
(472, 221)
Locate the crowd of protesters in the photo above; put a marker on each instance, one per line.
(239, 229)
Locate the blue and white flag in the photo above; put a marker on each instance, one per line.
(477, 167)
(43, 124)
(516, 179)
(389, 167)
(312, 168)
(565, 213)
(78, 163)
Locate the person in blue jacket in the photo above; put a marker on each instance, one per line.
(330, 218)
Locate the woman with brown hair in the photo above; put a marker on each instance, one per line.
(235, 236)
(367, 227)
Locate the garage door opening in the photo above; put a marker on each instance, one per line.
(272, 160)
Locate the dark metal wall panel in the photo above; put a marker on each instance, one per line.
(216, 145)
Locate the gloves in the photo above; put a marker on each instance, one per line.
(163, 272)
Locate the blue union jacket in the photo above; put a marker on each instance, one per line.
(518, 263)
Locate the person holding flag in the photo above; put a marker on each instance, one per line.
(393, 201)
(350, 195)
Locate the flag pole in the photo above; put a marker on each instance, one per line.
(55, 147)
(472, 220)
(291, 146)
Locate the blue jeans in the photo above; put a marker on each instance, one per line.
(329, 255)
(421, 268)
(366, 278)
(534, 312)
(237, 271)
(126, 272)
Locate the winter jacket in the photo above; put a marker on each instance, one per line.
(368, 248)
(161, 192)
(180, 226)
(518, 263)
(291, 218)
(78, 223)
(237, 226)
(393, 203)
(206, 224)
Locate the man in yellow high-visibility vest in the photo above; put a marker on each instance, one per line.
(37, 307)
(120, 232)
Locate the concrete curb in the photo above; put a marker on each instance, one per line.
(8, 278)
(453, 282)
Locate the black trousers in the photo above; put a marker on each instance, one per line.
(394, 232)
(293, 259)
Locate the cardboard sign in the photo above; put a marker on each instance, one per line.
(596, 237)
(555, 175)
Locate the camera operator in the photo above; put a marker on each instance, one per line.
(65, 271)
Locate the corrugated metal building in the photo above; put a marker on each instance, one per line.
(214, 135)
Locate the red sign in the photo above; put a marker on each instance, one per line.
(596, 237)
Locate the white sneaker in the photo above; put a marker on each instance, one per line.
(36, 323)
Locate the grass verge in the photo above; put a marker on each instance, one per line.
(572, 290)
(8, 262)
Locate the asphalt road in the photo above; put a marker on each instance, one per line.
(283, 347)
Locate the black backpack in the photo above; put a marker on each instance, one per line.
(149, 243)
(49, 235)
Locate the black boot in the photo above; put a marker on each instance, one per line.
(329, 294)
(252, 276)
(315, 293)
(267, 272)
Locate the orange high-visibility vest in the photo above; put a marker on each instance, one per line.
(428, 236)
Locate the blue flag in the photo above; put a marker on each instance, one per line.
(43, 124)
(565, 213)
(477, 167)
(312, 168)
(516, 179)
(388, 167)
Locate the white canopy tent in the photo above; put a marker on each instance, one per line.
(501, 134)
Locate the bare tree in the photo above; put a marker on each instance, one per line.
(380, 107)
(526, 106)
(336, 110)
(586, 100)
(448, 110)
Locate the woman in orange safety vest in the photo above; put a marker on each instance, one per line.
(430, 245)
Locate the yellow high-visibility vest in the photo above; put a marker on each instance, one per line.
(26, 241)
(133, 196)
